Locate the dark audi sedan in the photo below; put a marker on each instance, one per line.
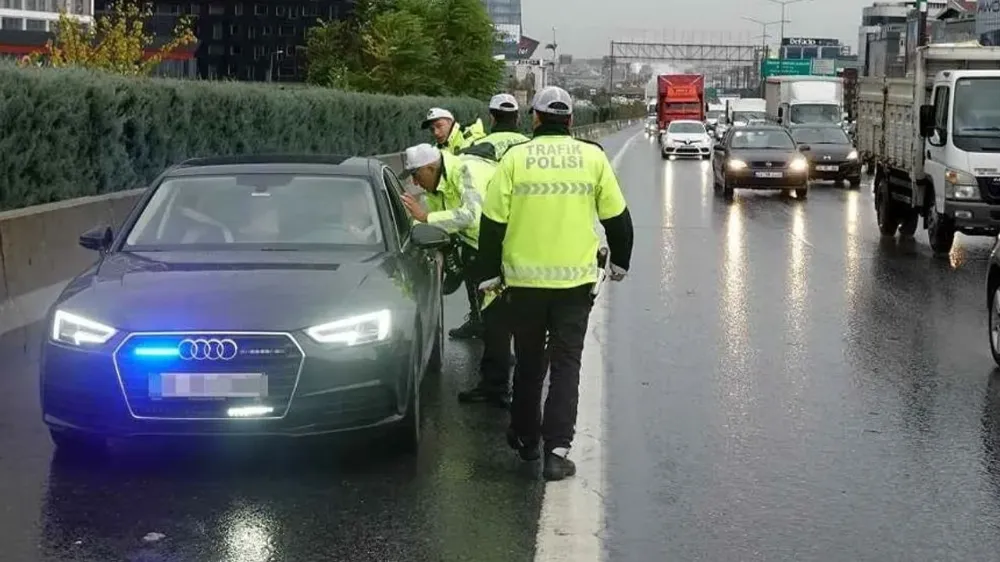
(832, 156)
(760, 156)
(274, 295)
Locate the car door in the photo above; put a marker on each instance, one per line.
(936, 145)
(422, 268)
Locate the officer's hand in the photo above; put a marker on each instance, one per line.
(490, 284)
(617, 273)
(414, 207)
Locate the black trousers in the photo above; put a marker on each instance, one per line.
(549, 332)
(470, 266)
(494, 368)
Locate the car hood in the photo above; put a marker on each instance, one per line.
(687, 137)
(280, 291)
(836, 152)
(749, 155)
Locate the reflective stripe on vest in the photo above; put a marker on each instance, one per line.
(529, 273)
(553, 188)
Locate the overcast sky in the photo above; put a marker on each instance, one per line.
(584, 28)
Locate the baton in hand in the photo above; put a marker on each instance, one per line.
(602, 265)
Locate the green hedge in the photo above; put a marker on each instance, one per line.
(73, 133)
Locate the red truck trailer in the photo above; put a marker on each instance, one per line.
(680, 96)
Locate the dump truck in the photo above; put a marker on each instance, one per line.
(680, 96)
(932, 141)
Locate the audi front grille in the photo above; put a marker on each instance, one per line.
(145, 357)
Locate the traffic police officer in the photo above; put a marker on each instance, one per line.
(455, 187)
(503, 134)
(449, 135)
(537, 236)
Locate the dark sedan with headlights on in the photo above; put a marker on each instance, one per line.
(250, 296)
(832, 155)
(760, 157)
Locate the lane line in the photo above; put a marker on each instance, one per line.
(571, 526)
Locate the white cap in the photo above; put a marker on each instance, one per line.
(503, 102)
(553, 100)
(434, 114)
(418, 156)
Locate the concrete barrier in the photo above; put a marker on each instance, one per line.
(40, 251)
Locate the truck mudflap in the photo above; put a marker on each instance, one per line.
(973, 218)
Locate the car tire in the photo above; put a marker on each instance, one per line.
(74, 444)
(727, 192)
(802, 193)
(408, 431)
(941, 232)
(994, 326)
(436, 359)
(854, 183)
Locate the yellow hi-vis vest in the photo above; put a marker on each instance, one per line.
(457, 203)
(462, 137)
(502, 141)
(549, 192)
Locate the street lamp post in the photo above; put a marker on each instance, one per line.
(783, 3)
(763, 39)
(270, 66)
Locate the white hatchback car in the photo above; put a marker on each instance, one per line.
(688, 139)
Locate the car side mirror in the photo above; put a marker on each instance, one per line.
(926, 120)
(429, 236)
(804, 148)
(781, 112)
(719, 148)
(98, 238)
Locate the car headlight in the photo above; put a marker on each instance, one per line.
(853, 155)
(356, 330)
(798, 165)
(79, 331)
(736, 165)
(960, 185)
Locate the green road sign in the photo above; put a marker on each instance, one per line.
(787, 67)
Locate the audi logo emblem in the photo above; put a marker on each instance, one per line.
(207, 349)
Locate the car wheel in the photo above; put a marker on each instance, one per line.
(802, 193)
(994, 326)
(436, 360)
(727, 191)
(854, 183)
(408, 432)
(77, 445)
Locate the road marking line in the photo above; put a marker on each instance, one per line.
(571, 526)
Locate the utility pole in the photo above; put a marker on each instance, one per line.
(763, 40)
(781, 46)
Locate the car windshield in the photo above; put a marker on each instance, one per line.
(815, 113)
(976, 110)
(713, 114)
(748, 116)
(258, 212)
(820, 135)
(686, 128)
(762, 140)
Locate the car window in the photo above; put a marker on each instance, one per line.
(400, 216)
(686, 128)
(820, 135)
(258, 211)
(762, 140)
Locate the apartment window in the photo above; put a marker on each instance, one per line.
(234, 29)
(238, 9)
(260, 10)
(32, 5)
(12, 23)
(286, 30)
(194, 9)
(290, 50)
(216, 9)
(213, 72)
(235, 50)
(230, 70)
(216, 50)
(251, 32)
(11, 4)
(309, 11)
(217, 31)
(280, 11)
(249, 73)
(36, 25)
(267, 30)
(258, 51)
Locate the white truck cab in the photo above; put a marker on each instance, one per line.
(795, 100)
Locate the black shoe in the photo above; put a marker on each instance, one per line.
(480, 395)
(557, 468)
(468, 331)
(527, 451)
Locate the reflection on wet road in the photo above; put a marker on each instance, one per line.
(802, 390)
(779, 384)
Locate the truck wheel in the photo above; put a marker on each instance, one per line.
(941, 232)
(909, 225)
(888, 218)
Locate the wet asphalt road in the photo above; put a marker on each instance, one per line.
(780, 385)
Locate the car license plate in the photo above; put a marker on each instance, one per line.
(208, 385)
(768, 174)
(827, 168)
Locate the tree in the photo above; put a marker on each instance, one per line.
(427, 47)
(118, 42)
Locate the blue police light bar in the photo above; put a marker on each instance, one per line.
(156, 352)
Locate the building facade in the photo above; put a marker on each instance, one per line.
(25, 24)
(888, 15)
(506, 16)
